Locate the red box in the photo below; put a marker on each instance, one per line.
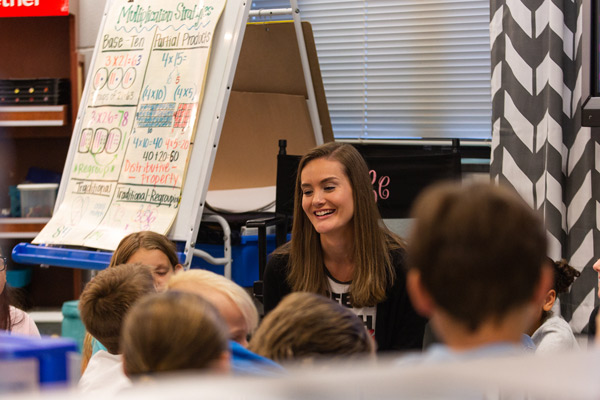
(33, 8)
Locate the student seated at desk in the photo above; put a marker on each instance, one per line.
(12, 319)
(103, 305)
(477, 268)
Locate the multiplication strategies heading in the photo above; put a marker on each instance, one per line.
(141, 15)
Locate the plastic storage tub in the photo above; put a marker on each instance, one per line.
(45, 361)
(37, 199)
(19, 278)
(244, 266)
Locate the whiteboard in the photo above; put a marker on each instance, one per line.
(225, 47)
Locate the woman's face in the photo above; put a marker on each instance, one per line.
(162, 268)
(327, 196)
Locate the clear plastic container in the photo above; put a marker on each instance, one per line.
(37, 199)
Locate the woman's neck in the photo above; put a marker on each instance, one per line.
(338, 256)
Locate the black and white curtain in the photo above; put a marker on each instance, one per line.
(538, 144)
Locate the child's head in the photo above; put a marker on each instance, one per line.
(149, 248)
(108, 296)
(564, 276)
(307, 325)
(174, 331)
(477, 253)
(233, 302)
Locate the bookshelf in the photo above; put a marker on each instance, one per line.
(37, 135)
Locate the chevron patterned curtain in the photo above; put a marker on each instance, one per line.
(538, 144)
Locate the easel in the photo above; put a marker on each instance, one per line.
(294, 11)
(225, 52)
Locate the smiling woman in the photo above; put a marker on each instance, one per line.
(327, 198)
(340, 248)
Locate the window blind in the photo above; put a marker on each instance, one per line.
(402, 69)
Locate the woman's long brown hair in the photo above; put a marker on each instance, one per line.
(373, 272)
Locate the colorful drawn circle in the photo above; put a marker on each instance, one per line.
(100, 78)
(115, 78)
(99, 140)
(85, 140)
(129, 77)
(114, 140)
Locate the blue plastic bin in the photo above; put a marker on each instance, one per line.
(244, 267)
(51, 353)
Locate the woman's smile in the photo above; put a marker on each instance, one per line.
(323, 213)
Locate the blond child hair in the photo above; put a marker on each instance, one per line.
(202, 282)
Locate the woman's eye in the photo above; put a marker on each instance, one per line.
(160, 273)
(329, 188)
(307, 192)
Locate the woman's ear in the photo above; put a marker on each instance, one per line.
(420, 297)
(549, 300)
(177, 268)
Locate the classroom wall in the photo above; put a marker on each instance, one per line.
(89, 17)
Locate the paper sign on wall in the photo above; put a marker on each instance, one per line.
(138, 127)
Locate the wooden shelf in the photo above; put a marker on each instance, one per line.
(21, 228)
(37, 135)
(33, 115)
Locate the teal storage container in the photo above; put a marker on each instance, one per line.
(72, 327)
(18, 278)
